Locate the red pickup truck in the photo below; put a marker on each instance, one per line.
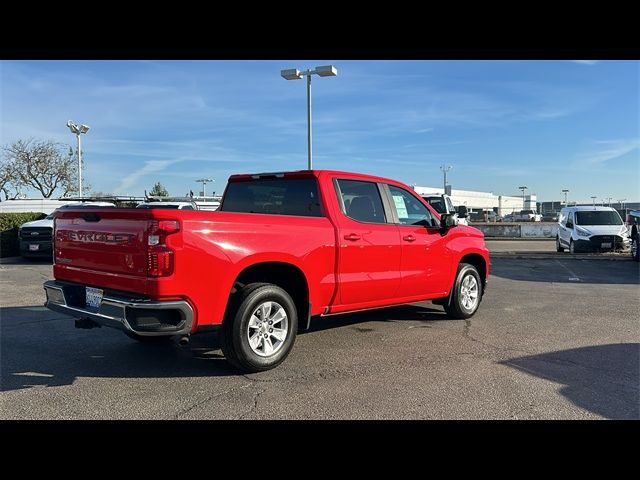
(282, 248)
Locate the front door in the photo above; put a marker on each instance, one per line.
(425, 263)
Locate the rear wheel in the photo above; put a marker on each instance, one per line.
(559, 247)
(260, 328)
(466, 294)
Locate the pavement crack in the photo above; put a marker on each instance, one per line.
(254, 407)
(208, 399)
(466, 333)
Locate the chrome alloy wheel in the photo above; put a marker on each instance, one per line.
(267, 329)
(469, 292)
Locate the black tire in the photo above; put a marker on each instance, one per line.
(455, 307)
(156, 340)
(572, 248)
(635, 247)
(235, 341)
(559, 247)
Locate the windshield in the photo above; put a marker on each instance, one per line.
(601, 217)
(437, 203)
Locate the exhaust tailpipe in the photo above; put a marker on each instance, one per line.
(183, 340)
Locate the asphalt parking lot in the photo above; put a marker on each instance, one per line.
(555, 338)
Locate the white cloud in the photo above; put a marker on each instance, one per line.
(606, 150)
(150, 166)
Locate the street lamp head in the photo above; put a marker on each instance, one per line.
(291, 74)
(84, 128)
(326, 71)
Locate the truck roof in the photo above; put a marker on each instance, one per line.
(310, 173)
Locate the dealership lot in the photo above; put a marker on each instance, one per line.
(554, 338)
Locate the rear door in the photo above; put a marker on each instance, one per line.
(425, 261)
(370, 251)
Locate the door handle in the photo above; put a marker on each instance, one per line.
(409, 238)
(352, 236)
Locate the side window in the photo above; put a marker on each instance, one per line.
(570, 220)
(410, 210)
(362, 201)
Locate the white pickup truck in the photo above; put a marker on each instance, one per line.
(442, 204)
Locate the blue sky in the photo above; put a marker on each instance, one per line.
(548, 125)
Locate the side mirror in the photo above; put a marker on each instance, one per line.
(448, 220)
(463, 212)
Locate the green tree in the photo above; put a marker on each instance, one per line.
(158, 190)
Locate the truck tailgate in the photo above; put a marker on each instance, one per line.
(102, 247)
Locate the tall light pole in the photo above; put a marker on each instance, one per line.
(609, 199)
(295, 74)
(77, 130)
(204, 182)
(445, 169)
(523, 189)
(593, 197)
(565, 191)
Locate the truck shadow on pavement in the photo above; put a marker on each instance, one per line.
(39, 348)
(51, 352)
(603, 379)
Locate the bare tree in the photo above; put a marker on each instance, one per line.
(8, 179)
(45, 166)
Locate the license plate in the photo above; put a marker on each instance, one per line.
(605, 245)
(93, 297)
(34, 247)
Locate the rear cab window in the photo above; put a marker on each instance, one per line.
(273, 196)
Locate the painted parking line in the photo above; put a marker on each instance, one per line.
(573, 277)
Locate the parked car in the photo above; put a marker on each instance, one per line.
(485, 216)
(588, 229)
(550, 217)
(282, 249)
(633, 221)
(442, 204)
(35, 236)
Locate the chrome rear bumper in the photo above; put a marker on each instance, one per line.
(137, 315)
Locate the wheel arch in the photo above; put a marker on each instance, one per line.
(287, 276)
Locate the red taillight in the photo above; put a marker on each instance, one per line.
(159, 256)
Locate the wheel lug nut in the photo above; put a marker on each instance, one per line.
(270, 322)
(270, 330)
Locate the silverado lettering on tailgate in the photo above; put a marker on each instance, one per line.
(100, 237)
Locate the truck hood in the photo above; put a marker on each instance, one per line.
(603, 229)
(38, 223)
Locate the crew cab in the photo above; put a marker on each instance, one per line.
(282, 249)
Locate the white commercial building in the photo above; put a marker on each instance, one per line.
(474, 201)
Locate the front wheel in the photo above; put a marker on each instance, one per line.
(635, 251)
(466, 294)
(572, 247)
(559, 247)
(259, 333)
